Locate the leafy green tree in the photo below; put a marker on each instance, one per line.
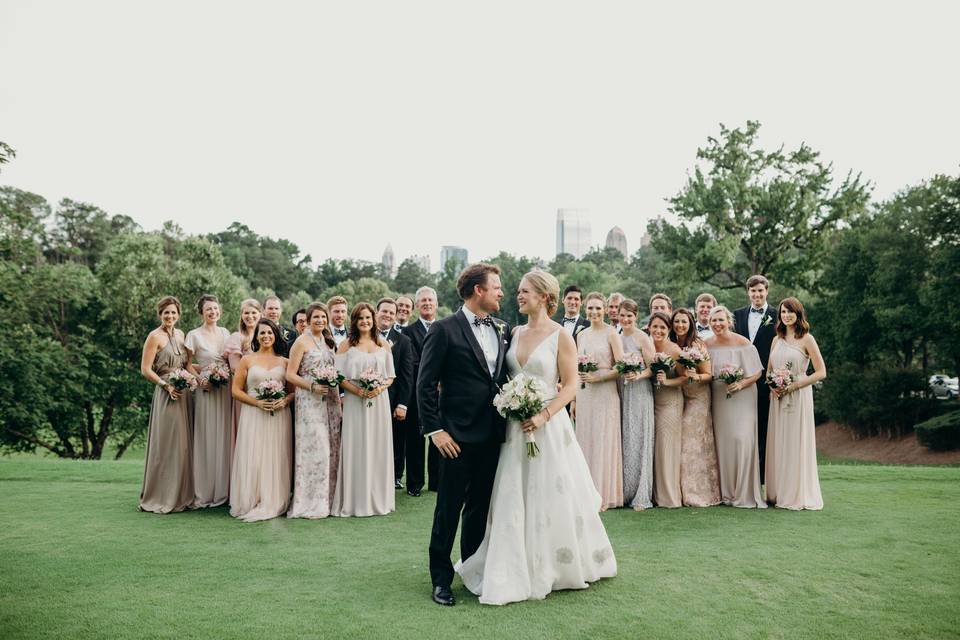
(361, 290)
(410, 277)
(6, 153)
(264, 262)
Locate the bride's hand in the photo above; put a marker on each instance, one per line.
(534, 423)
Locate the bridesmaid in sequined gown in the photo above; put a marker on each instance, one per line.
(636, 393)
(699, 472)
(668, 418)
(792, 479)
(317, 408)
(597, 407)
(167, 471)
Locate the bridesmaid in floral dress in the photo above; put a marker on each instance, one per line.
(792, 479)
(597, 407)
(636, 394)
(316, 419)
(699, 473)
(668, 418)
(167, 476)
(212, 410)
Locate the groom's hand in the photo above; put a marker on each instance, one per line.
(448, 448)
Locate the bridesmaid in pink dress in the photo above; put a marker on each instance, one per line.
(237, 346)
(597, 407)
(792, 479)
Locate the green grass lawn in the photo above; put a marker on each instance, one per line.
(79, 561)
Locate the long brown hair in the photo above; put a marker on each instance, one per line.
(327, 336)
(801, 326)
(691, 338)
(353, 336)
(255, 343)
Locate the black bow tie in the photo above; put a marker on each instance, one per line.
(566, 320)
(385, 334)
(477, 321)
(339, 332)
(701, 327)
(755, 310)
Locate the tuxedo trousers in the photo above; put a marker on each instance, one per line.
(465, 485)
(408, 452)
(763, 415)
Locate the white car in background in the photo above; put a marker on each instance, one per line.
(944, 387)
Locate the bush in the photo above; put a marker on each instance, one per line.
(941, 433)
(876, 401)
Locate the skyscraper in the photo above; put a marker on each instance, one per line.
(573, 232)
(617, 239)
(389, 261)
(457, 253)
(421, 261)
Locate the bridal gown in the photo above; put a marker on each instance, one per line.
(543, 530)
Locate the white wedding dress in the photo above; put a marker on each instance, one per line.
(543, 529)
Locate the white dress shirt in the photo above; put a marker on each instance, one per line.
(570, 324)
(704, 332)
(338, 338)
(488, 339)
(754, 321)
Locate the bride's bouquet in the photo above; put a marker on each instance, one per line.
(587, 364)
(691, 358)
(520, 399)
(369, 380)
(730, 373)
(661, 362)
(216, 374)
(270, 389)
(632, 362)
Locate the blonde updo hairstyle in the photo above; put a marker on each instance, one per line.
(595, 295)
(545, 284)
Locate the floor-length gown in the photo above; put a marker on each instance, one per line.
(233, 351)
(699, 471)
(735, 428)
(167, 470)
(212, 424)
(792, 479)
(636, 399)
(543, 530)
(668, 423)
(314, 413)
(598, 420)
(260, 477)
(365, 483)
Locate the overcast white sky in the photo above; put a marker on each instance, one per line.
(347, 125)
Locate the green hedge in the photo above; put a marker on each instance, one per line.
(941, 433)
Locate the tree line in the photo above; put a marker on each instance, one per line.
(879, 279)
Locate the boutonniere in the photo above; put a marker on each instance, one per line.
(390, 342)
(767, 320)
(499, 327)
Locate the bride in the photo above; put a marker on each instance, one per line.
(543, 529)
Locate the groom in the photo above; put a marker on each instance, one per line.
(461, 368)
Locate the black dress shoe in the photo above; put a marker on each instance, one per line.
(397, 484)
(443, 595)
(413, 492)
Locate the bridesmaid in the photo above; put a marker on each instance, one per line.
(667, 417)
(167, 477)
(597, 407)
(365, 484)
(212, 410)
(699, 473)
(636, 413)
(735, 418)
(237, 346)
(317, 408)
(792, 480)
(260, 477)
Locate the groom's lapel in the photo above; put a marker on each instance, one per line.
(472, 340)
(500, 328)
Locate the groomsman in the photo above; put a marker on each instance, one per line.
(300, 321)
(401, 391)
(659, 303)
(426, 300)
(273, 309)
(702, 307)
(404, 308)
(757, 322)
(613, 310)
(338, 318)
(572, 301)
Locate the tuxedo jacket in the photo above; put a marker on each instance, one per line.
(765, 334)
(454, 387)
(582, 323)
(402, 388)
(285, 340)
(415, 332)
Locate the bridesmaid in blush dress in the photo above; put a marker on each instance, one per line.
(365, 483)
(792, 479)
(699, 473)
(212, 410)
(167, 476)
(238, 346)
(317, 408)
(668, 418)
(636, 395)
(260, 477)
(597, 407)
(735, 418)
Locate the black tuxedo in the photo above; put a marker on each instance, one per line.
(582, 323)
(455, 394)
(414, 445)
(401, 392)
(284, 341)
(762, 341)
